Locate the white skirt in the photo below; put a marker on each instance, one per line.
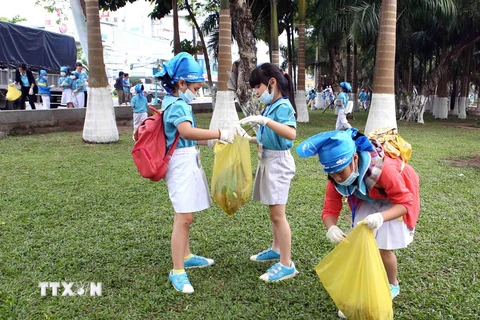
(137, 119)
(393, 234)
(66, 94)
(342, 123)
(274, 173)
(186, 182)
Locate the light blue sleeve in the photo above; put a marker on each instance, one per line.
(286, 115)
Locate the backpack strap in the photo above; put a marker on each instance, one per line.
(171, 150)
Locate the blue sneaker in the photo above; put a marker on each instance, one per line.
(266, 255)
(180, 282)
(278, 273)
(395, 290)
(197, 262)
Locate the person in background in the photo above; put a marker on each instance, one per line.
(363, 96)
(139, 104)
(65, 82)
(311, 99)
(368, 97)
(126, 88)
(84, 77)
(44, 89)
(341, 103)
(276, 166)
(78, 90)
(119, 87)
(29, 88)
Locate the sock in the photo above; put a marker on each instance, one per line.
(178, 271)
(188, 257)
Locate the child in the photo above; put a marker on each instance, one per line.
(66, 84)
(78, 90)
(44, 89)
(139, 103)
(188, 190)
(311, 99)
(382, 191)
(276, 166)
(363, 98)
(126, 89)
(341, 103)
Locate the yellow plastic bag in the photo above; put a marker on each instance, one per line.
(232, 175)
(13, 93)
(354, 276)
(393, 144)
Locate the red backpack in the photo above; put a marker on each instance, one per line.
(150, 150)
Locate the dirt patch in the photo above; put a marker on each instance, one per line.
(463, 125)
(472, 161)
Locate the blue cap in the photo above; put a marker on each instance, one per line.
(182, 66)
(43, 72)
(346, 85)
(139, 88)
(335, 149)
(64, 69)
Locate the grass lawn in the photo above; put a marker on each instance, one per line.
(75, 212)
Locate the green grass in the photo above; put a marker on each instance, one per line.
(75, 212)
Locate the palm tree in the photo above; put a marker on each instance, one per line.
(300, 96)
(382, 108)
(100, 125)
(274, 50)
(224, 114)
(176, 28)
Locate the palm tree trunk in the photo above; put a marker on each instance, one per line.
(300, 99)
(176, 29)
(355, 77)
(224, 114)
(289, 49)
(462, 101)
(100, 125)
(382, 109)
(275, 52)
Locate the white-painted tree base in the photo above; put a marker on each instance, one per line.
(429, 104)
(442, 108)
(462, 105)
(225, 115)
(435, 106)
(100, 124)
(302, 110)
(455, 107)
(319, 102)
(381, 113)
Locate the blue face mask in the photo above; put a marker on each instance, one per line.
(188, 96)
(351, 179)
(266, 98)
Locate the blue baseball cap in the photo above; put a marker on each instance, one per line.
(43, 73)
(335, 149)
(346, 85)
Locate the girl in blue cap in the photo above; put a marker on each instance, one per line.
(44, 89)
(381, 191)
(341, 103)
(139, 104)
(276, 166)
(182, 78)
(65, 82)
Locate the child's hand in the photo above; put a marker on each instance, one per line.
(373, 221)
(242, 133)
(335, 234)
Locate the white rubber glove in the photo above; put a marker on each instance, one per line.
(255, 120)
(211, 143)
(30, 92)
(335, 234)
(226, 136)
(242, 133)
(373, 221)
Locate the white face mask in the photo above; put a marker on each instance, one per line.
(62, 74)
(266, 98)
(72, 77)
(188, 96)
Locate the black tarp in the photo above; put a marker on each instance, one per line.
(37, 48)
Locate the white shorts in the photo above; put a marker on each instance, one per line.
(342, 123)
(272, 180)
(394, 234)
(186, 182)
(66, 94)
(138, 118)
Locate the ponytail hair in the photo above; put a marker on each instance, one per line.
(266, 71)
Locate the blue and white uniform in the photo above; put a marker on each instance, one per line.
(44, 89)
(342, 123)
(139, 103)
(185, 178)
(276, 166)
(65, 82)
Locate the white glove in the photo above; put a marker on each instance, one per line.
(211, 143)
(30, 92)
(335, 234)
(255, 120)
(227, 136)
(242, 133)
(373, 221)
